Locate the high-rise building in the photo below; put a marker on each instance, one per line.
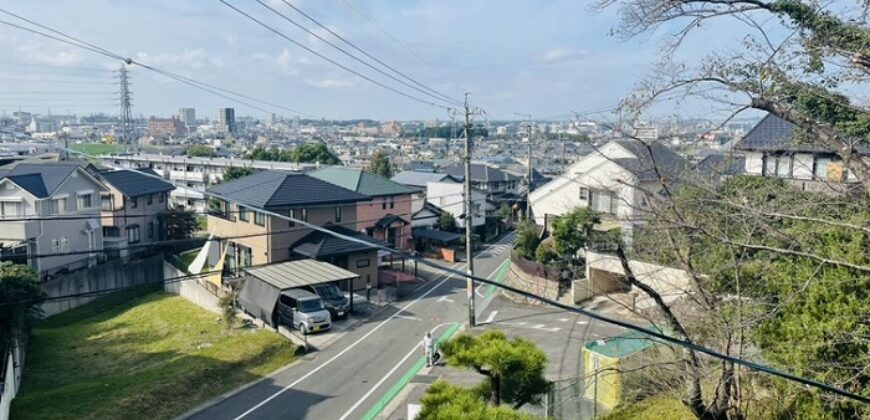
(187, 116)
(227, 120)
(165, 127)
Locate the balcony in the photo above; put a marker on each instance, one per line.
(188, 176)
(18, 230)
(221, 215)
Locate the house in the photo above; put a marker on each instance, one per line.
(773, 148)
(387, 216)
(64, 200)
(131, 209)
(492, 181)
(449, 197)
(616, 181)
(355, 255)
(252, 237)
(419, 179)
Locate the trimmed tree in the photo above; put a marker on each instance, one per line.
(572, 231)
(19, 287)
(380, 165)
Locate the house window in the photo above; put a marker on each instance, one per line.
(244, 256)
(291, 214)
(244, 215)
(134, 202)
(584, 195)
(337, 214)
(161, 197)
(150, 230)
(820, 168)
(602, 201)
(614, 202)
(150, 199)
(58, 205)
(60, 244)
(304, 215)
(392, 202)
(133, 234)
(85, 201)
(363, 263)
(384, 204)
(259, 219)
(10, 208)
(106, 203)
(783, 166)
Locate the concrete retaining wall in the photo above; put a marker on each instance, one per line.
(110, 275)
(529, 282)
(189, 289)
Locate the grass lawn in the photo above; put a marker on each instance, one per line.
(97, 148)
(150, 356)
(663, 406)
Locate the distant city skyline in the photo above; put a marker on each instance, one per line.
(507, 64)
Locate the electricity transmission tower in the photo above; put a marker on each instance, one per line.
(126, 102)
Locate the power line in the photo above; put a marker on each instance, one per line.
(129, 61)
(336, 63)
(436, 93)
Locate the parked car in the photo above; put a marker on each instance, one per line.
(304, 311)
(335, 301)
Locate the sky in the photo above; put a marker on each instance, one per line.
(545, 58)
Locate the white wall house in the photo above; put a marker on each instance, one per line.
(614, 181)
(449, 197)
(46, 190)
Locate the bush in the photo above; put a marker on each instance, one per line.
(546, 253)
(526, 243)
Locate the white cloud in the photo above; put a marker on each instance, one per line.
(194, 59)
(39, 54)
(331, 83)
(562, 54)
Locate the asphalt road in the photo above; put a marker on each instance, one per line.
(346, 379)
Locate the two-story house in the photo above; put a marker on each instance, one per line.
(132, 209)
(616, 181)
(251, 237)
(498, 185)
(450, 196)
(774, 148)
(387, 216)
(63, 200)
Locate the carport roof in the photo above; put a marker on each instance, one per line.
(288, 275)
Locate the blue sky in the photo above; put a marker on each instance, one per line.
(543, 57)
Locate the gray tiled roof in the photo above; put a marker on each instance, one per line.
(480, 172)
(721, 164)
(134, 183)
(319, 244)
(276, 189)
(419, 179)
(774, 134)
(669, 163)
(41, 179)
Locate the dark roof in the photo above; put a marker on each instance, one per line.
(437, 235)
(421, 166)
(419, 179)
(319, 244)
(721, 164)
(388, 220)
(41, 179)
(666, 161)
(277, 189)
(774, 134)
(480, 172)
(135, 183)
(363, 182)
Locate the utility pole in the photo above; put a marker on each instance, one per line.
(469, 218)
(528, 124)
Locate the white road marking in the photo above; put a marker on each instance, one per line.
(582, 322)
(348, 348)
(564, 319)
(477, 290)
(413, 318)
(490, 318)
(444, 299)
(379, 383)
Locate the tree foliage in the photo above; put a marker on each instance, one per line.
(446, 222)
(448, 402)
(572, 231)
(527, 239)
(236, 172)
(380, 165)
(200, 150)
(455, 132)
(19, 286)
(179, 224)
(306, 153)
(514, 367)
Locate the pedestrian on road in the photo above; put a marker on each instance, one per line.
(429, 349)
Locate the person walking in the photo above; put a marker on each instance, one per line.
(429, 349)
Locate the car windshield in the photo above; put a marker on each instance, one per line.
(310, 305)
(329, 291)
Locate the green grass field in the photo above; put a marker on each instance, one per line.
(154, 356)
(97, 148)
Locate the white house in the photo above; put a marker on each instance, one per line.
(49, 192)
(449, 197)
(614, 180)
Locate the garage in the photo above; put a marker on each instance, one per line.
(263, 285)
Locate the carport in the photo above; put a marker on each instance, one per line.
(263, 285)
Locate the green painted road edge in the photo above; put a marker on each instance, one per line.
(398, 386)
(499, 276)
